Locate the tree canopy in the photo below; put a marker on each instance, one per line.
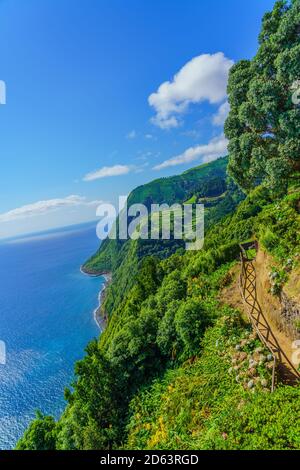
(263, 126)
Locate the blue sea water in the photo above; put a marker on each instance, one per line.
(46, 321)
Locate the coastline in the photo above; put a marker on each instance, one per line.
(100, 316)
(86, 272)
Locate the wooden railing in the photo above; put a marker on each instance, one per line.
(259, 322)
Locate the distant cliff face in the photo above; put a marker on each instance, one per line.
(208, 179)
(207, 184)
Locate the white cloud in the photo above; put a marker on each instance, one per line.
(43, 207)
(106, 172)
(204, 78)
(223, 111)
(216, 148)
(149, 136)
(131, 135)
(191, 133)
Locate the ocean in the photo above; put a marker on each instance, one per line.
(46, 321)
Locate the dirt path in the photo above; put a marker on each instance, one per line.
(231, 295)
(270, 304)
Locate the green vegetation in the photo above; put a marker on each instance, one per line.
(159, 376)
(173, 368)
(41, 435)
(209, 182)
(207, 179)
(202, 406)
(264, 124)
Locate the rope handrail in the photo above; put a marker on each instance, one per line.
(259, 321)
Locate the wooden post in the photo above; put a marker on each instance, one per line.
(273, 375)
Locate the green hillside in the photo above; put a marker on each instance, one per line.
(182, 187)
(209, 180)
(208, 184)
(177, 367)
(159, 377)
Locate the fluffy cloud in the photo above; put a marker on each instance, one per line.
(106, 172)
(43, 207)
(131, 135)
(223, 111)
(204, 78)
(216, 148)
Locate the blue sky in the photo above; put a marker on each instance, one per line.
(85, 119)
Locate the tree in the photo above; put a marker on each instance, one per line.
(167, 337)
(41, 434)
(263, 126)
(92, 419)
(191, 320)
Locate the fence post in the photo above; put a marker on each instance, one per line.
(273, 375)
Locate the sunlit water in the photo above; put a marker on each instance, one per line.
(46, 321)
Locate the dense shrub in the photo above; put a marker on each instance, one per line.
(201, 406)
(41, 434)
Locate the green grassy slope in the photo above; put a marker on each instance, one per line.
(161, 375)
(207, 181)
(202, 405)
(181, 187)
(197, 402)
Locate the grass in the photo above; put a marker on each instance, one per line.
(202, 406)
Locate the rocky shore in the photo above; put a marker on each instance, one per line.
(100, 316)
